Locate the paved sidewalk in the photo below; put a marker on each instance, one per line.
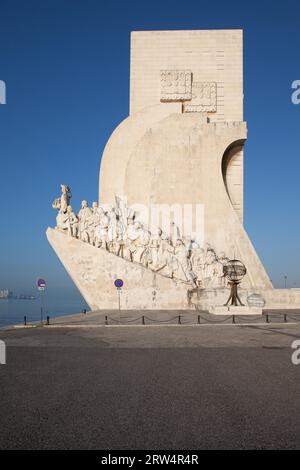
(215, 387)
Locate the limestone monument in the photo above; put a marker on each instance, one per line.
(170, 209)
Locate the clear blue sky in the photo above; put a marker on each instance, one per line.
(66, 66)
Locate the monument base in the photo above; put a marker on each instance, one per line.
(235, 310)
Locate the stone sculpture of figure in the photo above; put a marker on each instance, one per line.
(223, 258)
(65, 198)
(189, 243)
(122, 210)
(103, 228)
(84, 215)
(194, 245)
(93, 223)
(180, 253)
(213, 270)
(210, 258)
(184, 270)
(61, 204)
(67, 222)
(56, 203)
(112, 230)
(61, 221)
(175, 233)
(160, 254)
(120, 237)
(73, 222)
(207, 249)
(122, 215)
(191, 275)
(167, 258)
(142, 243)
(134, 231)
(198, 263)
(154, 249)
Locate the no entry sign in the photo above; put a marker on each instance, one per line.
(119, 283)
(41, 283)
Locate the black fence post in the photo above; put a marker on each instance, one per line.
(25, 320)
(48, 320)
(285, 318)
(179, 319)
(143, 320)
(106, 320)
(267, 318)
(233, 319)
(199, 319)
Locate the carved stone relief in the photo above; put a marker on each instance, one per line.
(119, 231)
(197, 97)
(176, 85)
(204, 98)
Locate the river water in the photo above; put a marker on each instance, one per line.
(12, 311)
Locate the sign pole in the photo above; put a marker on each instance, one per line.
(41, 284)
(41, 298)
(119, 294)
(119, 284)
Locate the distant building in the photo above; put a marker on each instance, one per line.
(6, 294)
(26, 297)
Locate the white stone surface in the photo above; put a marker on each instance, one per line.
(211, 56)
(181, 161)
(94, 271)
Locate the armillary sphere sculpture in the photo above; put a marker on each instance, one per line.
(234, 270)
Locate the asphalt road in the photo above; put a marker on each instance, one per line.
(174, 387)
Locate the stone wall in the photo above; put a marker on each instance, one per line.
(211, 56)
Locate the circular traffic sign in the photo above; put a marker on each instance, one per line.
(41, 283)
(119, 283)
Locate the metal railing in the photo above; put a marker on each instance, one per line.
(200, 319)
